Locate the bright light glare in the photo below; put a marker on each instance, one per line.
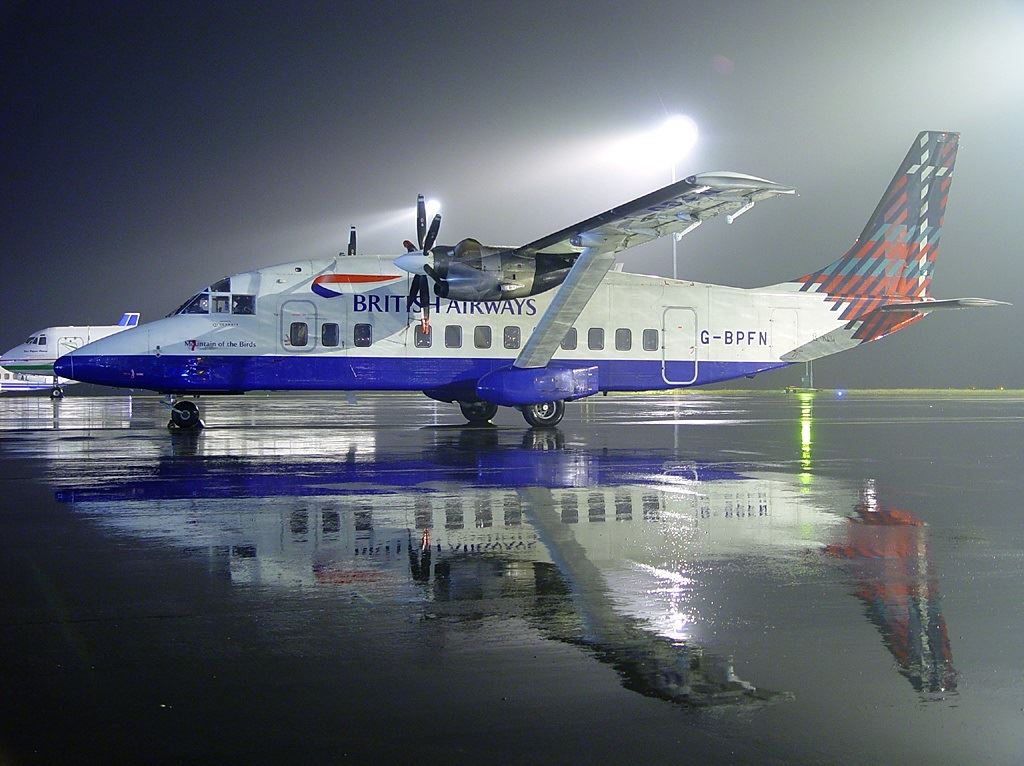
(662, 147)
(433, 208)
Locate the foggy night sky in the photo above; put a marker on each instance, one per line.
(151, 148)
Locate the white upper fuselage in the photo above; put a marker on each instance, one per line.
(343, 323)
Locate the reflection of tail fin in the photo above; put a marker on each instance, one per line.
(128, 319)
(895, 254)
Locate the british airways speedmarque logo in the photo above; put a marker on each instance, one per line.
(320, 284)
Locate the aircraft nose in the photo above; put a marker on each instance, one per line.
(65, 367)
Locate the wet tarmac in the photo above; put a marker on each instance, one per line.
(712, 578)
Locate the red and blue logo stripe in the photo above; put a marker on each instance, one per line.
(321, 288)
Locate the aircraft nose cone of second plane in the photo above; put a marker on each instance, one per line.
(65, 367)
(414, 262)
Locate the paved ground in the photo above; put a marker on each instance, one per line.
(716, 578)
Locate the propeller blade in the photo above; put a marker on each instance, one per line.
(352, 241)
(440, 285)
(409, 246)
(435, 226)
(425, 297)
(421, 219)
(414, 290)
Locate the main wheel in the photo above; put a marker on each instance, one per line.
(185, 415)
(544, 415)
(56, 392)
(478, 413)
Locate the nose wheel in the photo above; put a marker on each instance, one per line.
(185, 416)
(544, 415)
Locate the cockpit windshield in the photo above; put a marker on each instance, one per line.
(218, 299)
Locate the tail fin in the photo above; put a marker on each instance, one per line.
(128, 319)
(895, 254)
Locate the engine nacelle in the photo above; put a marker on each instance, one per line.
(465, 283)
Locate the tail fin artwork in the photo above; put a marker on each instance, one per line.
(881, 284)
(895, 253)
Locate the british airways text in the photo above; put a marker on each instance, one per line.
(397, 303)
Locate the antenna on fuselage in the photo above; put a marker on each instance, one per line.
(352, 240)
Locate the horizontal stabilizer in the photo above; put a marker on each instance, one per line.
(947, 303)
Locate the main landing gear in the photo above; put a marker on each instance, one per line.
(56, 392)
(478, 413)
(185, 416)
(544, 415)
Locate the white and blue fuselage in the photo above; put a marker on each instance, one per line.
(344, 324)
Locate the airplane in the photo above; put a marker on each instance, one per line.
(544, 323)
(17, 382)
(35, 357)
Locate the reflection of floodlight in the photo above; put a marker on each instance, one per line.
(433, 207)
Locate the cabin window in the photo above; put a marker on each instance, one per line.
(243, 304)
(221, 304)
(298, 334)
(362, 334)
(423, 338)
(330, 334)
(569, 341)
(623, 339)
(595, 338)
(223, 286)
(650, 340)
(199, 304)
(453, 336)
(512, 337)
(482, 336)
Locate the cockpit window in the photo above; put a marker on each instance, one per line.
(200, 304)
(42, 340)
(31, 341)
(225, 303)
(243, 304)
(223, 286)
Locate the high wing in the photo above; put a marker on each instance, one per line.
(676, 209)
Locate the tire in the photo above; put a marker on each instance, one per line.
(185, 416)
(545, 415)
(478, 413)
(56, 393)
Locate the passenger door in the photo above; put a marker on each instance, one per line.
(679, 345)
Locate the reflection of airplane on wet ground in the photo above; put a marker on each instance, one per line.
(35, 357)
(548, 322)
(596, 548)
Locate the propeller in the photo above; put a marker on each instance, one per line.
(416, 259)
(352, 241)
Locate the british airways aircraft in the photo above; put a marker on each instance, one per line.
(548, 322)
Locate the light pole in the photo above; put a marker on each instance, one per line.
(673, 139)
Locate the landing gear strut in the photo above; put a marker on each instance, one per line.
(545, 415)
(478, 413)
(56, 392)
(185, 416)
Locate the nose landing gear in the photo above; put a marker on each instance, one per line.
(185, 416)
